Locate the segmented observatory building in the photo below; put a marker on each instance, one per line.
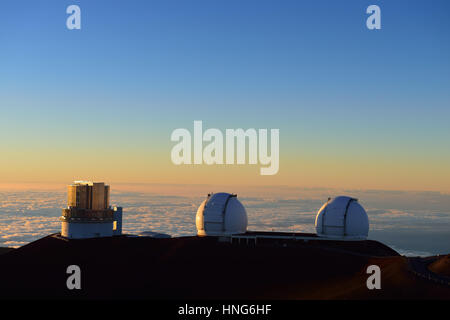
(88, 213)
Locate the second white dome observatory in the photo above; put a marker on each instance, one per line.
(343, 218)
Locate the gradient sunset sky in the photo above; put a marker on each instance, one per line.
(356, 108)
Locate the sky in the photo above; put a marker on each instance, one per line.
(356, 108)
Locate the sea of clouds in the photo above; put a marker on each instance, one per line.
(413, 223)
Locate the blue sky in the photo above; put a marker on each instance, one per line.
(310, 68)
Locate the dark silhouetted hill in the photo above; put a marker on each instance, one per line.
(203, 268)
(5, 250)
(441, 266)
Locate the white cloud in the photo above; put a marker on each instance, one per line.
(26, 216)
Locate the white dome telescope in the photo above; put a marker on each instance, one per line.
(221, 214)
(342, 218)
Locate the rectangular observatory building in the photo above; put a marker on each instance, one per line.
(88, 213)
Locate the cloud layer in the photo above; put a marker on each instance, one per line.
(413, 223)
